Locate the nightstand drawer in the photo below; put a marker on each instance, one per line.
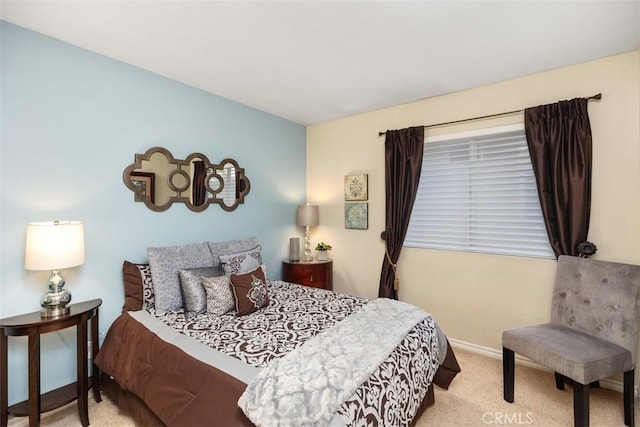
(307, 276)
(313, 274)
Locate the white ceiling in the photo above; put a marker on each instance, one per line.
(314, 61)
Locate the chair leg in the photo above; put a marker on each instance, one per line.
(629, 416)
(508, 373)
(559, 381)
(580, 404)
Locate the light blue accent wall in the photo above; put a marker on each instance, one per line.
(71, 121)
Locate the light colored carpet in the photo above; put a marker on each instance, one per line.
(474, 398)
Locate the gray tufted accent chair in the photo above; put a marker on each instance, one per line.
(593, 333)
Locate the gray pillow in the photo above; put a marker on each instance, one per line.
(194, 299)
(241, 262)
(165, 263)
(220, 298)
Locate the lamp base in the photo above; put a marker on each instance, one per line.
(46, 313)
(54, 302)
(307, 257)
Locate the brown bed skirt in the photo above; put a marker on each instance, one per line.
(128, 403)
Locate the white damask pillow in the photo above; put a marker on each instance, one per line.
(241, 262)
(220, 298)
(230, 246)
(148, 298)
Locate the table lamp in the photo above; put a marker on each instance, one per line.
(307, 216)
(54, 245)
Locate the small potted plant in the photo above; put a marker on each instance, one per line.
(323, 251)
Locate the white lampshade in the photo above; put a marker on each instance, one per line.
(308, 215)
(54, 245)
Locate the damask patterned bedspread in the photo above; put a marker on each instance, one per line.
(393, 393)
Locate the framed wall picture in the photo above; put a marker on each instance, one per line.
(355, 187)
(145, 185)
(356, 216)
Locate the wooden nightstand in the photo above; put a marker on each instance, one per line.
(317, 274)
(32, 325)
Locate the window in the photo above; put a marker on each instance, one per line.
(477, 193)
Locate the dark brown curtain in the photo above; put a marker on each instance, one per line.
(403, 162)
(199, 190)
(559, 139)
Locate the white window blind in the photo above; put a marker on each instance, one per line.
(228, 193)
(477, 193)
(229, 182)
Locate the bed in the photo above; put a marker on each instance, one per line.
(297, 356)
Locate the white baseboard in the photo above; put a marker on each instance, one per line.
(497, 354)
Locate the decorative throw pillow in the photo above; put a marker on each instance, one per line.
(220, 298)
(138, 287)
(148, 297)
(241, 262)
(229, 247)
(194, 298)
(250, 291)
(165, 263)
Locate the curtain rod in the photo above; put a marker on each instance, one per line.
(597, 96)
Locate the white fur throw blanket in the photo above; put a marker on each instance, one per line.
(307, 386)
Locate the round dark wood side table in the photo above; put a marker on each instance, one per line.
(32, 325)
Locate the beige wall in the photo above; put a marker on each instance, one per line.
(474, 296)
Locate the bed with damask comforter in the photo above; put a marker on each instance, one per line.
(309, 357)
